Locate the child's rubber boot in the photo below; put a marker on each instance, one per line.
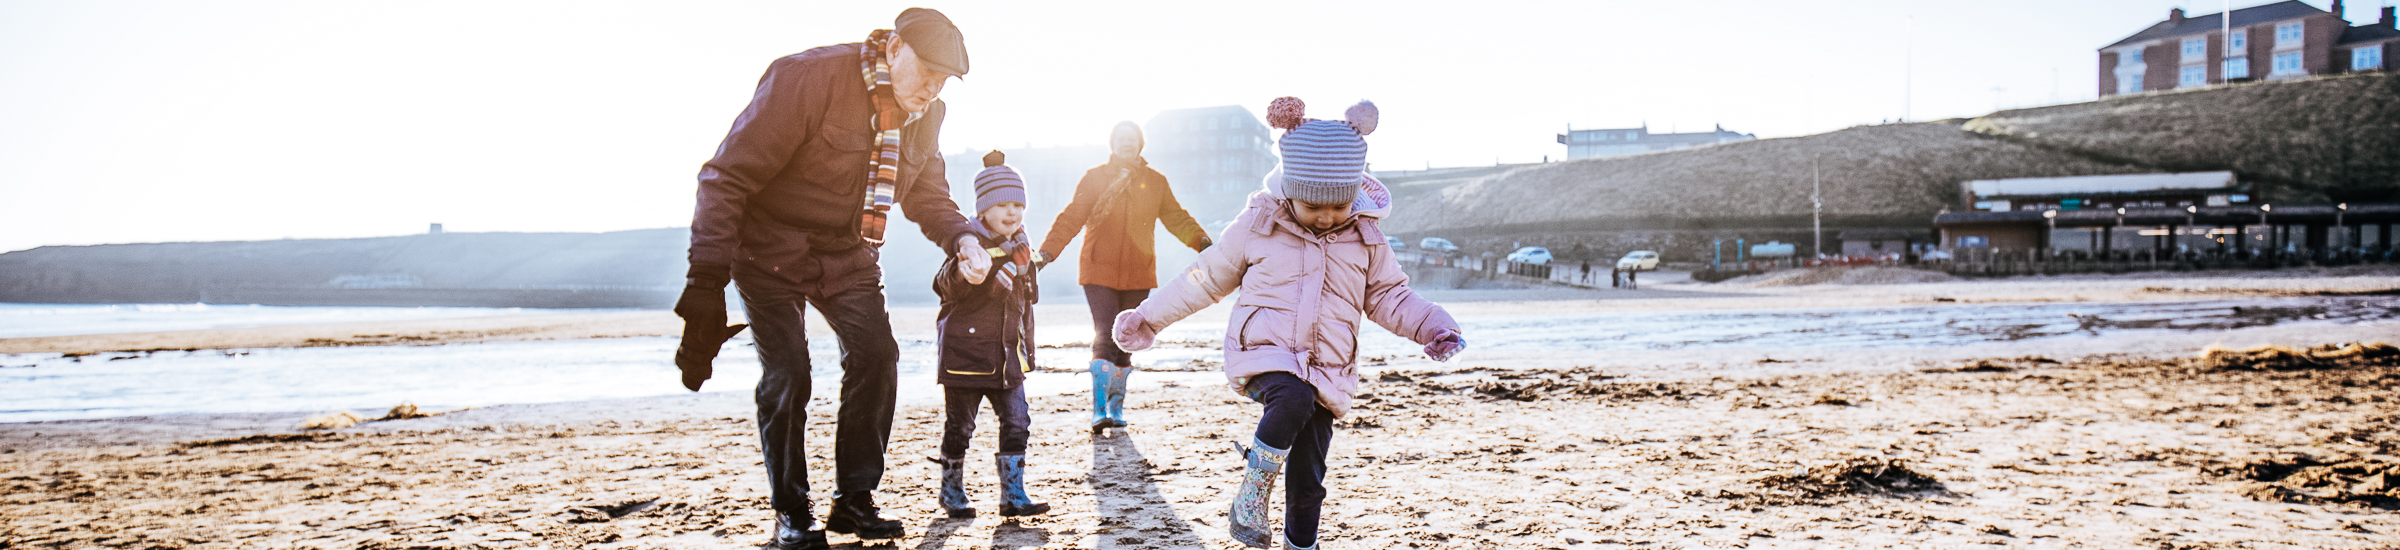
(1248, 521)
(1101, 370)
(1287, 544)
(1116, 396)
(954, 487)
(1013, 500)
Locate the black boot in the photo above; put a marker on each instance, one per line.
(856, 515)
(794, 534)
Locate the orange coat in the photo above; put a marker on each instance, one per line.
(1118, 251)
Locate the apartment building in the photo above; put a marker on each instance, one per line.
(1213, 156)
(2288, 39)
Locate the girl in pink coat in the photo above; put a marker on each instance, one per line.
(1309, 261)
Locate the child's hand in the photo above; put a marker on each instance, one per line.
(1447, 346)
(1133, 333)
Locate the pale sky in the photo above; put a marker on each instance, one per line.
(172, 121)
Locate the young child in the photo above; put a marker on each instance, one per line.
(986, 327)
(1309, 260)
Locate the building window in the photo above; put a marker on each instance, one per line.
(2195, 75)
(2366, 58)
(2287, 35)
(1974, 241)
(2238, 67)
(2241, 42)
(2129, 83)
(2287, 63)
(2132, 57)
(2194, 49)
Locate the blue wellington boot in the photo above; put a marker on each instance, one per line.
(1248, 521)
(1101, 370)
(1013, 500)
(1287, 543)
(1116, 396)
(954, 487)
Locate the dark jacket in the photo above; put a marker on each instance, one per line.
(791, 175)
(987, 329)
(1118, 251)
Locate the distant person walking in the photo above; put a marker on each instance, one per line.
(1114, 207)
(788, 212)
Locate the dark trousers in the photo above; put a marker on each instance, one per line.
(849, 292)
(1008, 405)
(1293, 420)
(1106, 303)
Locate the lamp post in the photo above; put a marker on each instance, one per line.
(2190, 212)
(2266, 231)
(2050, 218)
(2338, 210)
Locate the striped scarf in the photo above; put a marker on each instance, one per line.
(883, 172)
(1016, 273)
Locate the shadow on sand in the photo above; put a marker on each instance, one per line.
(1133, 513)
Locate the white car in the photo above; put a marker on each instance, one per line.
(1530, 255)
(1638, 260)
(1437, 244)
(1395, 242)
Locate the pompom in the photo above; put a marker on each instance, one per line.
(1362, 117)
(994, 158)
(1286, 112)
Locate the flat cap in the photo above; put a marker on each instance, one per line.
(936, 41)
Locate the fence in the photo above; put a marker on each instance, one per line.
(1989, 262)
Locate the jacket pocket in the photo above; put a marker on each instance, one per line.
(969, 350)
(844, 157)
(1258, 328)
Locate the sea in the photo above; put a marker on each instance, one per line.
(56, 386)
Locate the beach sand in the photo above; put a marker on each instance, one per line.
(2101, 443)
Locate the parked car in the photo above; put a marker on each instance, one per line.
(1437, 244)
(1530, 255)
(1638, 260)
(1395, 242)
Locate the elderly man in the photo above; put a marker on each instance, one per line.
(792, 209)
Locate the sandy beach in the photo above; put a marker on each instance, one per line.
(2060, 442)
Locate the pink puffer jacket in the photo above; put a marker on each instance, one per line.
(1302, 296)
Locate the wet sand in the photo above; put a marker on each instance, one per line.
(2103, 443)
(2022, 451)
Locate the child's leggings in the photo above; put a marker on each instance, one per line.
(1295, 421)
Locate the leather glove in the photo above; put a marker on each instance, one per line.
(702, 308)
(1133, 333)
(1446, 346)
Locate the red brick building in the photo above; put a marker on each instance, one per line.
(2289, 39)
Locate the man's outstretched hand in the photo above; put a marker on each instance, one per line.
(704, 332)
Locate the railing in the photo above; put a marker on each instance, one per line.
(1989, 262)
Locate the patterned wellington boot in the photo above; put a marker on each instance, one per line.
(1116, 396)
(1101, 370)
(1248, 522)
(954, 487)
(1013, 500)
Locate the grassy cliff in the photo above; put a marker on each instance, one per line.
(2301, 141)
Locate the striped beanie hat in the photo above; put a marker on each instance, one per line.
(1323, 160)
(997, 183)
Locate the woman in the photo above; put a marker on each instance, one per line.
(1115, 206)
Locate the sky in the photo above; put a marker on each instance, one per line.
(171, 121)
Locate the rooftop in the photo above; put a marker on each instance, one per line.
(2121, 183)
(2288, 9)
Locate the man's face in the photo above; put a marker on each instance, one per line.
(914, 82)
(1320, 218)
(1124, 143)
(1004, 218)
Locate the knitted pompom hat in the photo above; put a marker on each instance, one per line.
(1323, 160)
(997, 183)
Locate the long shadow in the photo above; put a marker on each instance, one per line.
(1133, 514)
